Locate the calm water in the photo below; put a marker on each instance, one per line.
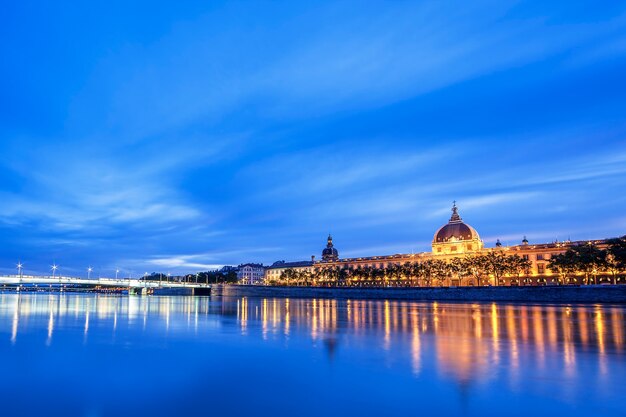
(94, 355)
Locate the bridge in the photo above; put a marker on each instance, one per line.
(134, 286)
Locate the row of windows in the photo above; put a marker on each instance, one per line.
(455, 248)
(541, 267)
(539, 256)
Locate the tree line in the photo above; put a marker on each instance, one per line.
(206, 277)
(591, 261)
(492, 268)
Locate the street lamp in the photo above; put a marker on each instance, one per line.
(89, 270)
(117, 271)
(19, 269)
(54, 270)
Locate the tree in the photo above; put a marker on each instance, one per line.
(427, 269)
(395, 272)
(496, 264)
(563, 264)
(414, 271)
(476, 266)
(343, 275)
(378, 274)
(518, 265)
(615, 258)
(460, 268)
(588, 259)
(439, 270)
(288, 276)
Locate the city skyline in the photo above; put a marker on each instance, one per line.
(189, 138)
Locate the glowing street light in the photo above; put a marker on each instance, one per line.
(54, 270)
(89, 270)
(117, 271)
(20, 266)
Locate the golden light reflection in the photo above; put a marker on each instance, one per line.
(617, 326)
(569, 348)
(287, 317)
(600, 336)
(416, 353)
(539, 338)
(513, 337)
(466, 341)
(387, 326)
(495, 333)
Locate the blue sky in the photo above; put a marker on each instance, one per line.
(156, 136)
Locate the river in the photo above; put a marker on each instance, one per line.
(98, 355)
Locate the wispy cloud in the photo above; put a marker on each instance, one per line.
(245, 132)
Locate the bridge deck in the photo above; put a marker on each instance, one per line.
(104, 282)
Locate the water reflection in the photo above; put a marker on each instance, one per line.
(468, 337)
(470, 344)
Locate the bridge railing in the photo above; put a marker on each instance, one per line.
(119, 282)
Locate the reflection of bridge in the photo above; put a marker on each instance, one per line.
(133, 285)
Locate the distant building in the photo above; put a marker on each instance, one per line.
(455, 239)
(251, 274)
(274, 272)
(330, 253)
(227, 269)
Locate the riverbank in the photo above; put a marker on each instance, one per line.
(614, 294)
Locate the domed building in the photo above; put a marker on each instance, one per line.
(330, 253)
(456, 237)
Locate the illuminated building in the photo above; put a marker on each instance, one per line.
(330, 253)
(251, 273)
(275, 271)
(457, 239)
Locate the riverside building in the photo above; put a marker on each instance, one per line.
(457, 239)
(276, 270)
(251, 273)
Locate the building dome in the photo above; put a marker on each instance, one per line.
(456, 237)
(330, 253)
(455, 230)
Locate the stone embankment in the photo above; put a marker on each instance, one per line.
(615, 294)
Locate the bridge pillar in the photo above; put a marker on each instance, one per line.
(138, 291)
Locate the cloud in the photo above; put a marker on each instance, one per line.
(376, 56)
(202, 261)
(489, 200)
(267, 127)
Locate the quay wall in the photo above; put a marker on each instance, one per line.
(612, 294)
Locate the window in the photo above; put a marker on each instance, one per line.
(525, 257)
(540, 257)
(439, 249)
(541, 268)
(470, 247)
(453, 248)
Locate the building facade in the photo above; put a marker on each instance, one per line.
(455, 239)
(275, 272)
(250, 274)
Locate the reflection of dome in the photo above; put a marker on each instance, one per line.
(455, 230)
(330, 253)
